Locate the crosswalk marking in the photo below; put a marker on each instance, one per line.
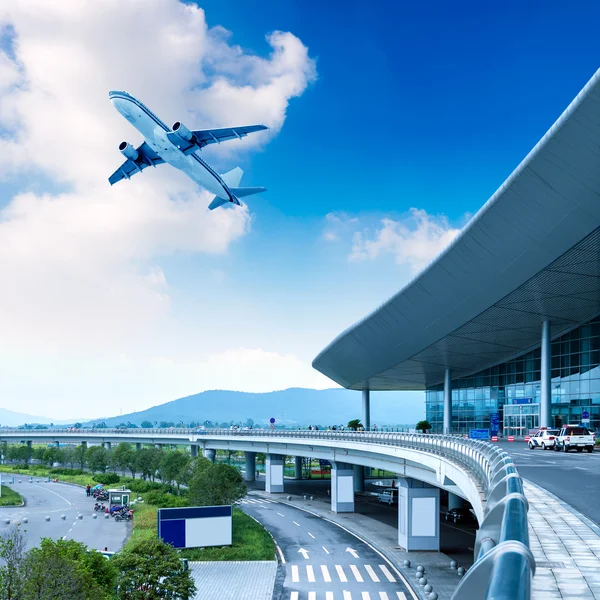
(372, 573)
(326, 575)
(366, 596)
(295, 576)
(387, 573)
(328, 595)
(383, 596)
(310, 573)
(341, 574)
(401, 595)
(347, 595)
(356, 573)
(294, 596)
(312, 595)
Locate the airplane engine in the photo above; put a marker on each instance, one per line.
(128, 151)
(182, 131)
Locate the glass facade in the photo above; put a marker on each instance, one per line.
(575, 387)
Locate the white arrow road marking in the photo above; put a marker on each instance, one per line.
(326, 551)
(326, 575)
(353, 552)
(303, 552)
(356, 573)
(310, 573)
(341, 574)
(372, 573)
(387, 573)
(295, 576)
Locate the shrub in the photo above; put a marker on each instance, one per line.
(164, 500)
(66, 471)
(107, 478)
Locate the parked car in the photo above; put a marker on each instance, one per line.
(389, 496)
(574, 436)
(544, 439)
(460, 515)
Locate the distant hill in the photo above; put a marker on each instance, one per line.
(291, 407)
(13, 419)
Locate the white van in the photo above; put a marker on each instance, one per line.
(389, 496)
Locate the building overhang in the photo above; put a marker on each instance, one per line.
(531, 253)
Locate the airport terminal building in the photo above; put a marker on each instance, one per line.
(502, 329)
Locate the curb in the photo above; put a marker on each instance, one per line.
(13, 505)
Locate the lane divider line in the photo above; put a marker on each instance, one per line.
(312, 536)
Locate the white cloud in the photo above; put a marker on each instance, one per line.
(414, 241)
(337, 224)
(83, 268)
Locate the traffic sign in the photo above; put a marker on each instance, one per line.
(585, 414)
(271, 420)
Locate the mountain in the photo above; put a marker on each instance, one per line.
(291, 407)
(13, 419)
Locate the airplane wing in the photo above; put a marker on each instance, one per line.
(216, 136)
(146, 158)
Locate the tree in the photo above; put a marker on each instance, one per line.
(146, 425)
(423, 426)
(67, 570)
(12, 555)
(149, 569)
(80, 455)
(51, 455)
(355, 424)
(122, 456)
(148, 462)
(69, 457)
(165, 424)
(249, 422)
(174, 467)
(97, 459)
(213, 484)
(23, 453)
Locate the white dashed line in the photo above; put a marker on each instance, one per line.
(326, 551)
(294, 522)
(281, 515)
(312, 536)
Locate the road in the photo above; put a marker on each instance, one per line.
(324, 560)
(574, 477)
(55, 499)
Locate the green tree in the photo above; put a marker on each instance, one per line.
(148, 462)
(123, 456)
(23, 453)
(146, 424)
(355, 424)
(80, 455)
(423, 426)
(249, 422)
(51, 455)
(69, 456)
(67, 570)
(97, 459)
(174, 467)
(12, 555)
(149, 569)
(213, 484)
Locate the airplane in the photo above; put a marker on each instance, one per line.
(179, 146)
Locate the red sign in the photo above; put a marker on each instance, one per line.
(511, 438)
(526, 438)
(494, 438)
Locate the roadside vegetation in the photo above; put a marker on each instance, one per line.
(162, 479)
(9, 497)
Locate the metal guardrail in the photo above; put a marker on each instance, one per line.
(504, 565)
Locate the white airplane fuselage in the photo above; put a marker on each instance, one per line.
(155, 133)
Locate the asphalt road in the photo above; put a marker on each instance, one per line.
(456, 540)
(574, 477)
(323, 560)
(55, 499)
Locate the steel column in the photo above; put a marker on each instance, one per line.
(447, 401)
(546, 381)
(366, 409)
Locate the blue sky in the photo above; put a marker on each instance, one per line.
(390, 127)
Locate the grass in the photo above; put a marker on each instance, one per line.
(10, 497)
(38, 471)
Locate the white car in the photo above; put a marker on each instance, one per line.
(574, 436)
(544, 439)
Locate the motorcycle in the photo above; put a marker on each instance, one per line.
(124, 516)
(100, 507)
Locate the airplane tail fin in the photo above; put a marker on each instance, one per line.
(232, 180)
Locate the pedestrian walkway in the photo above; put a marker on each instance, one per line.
(342, 573)
(566, 547)
(384, 538)
(232, 580)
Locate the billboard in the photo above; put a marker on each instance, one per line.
(196, 526)
(479, 434)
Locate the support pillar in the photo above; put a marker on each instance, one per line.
(447, 401)
(359, 478)
(366, 409)
(107, 445)
(418, 515)
(274, 473)
(30, 446)
(454, 501)
(194, 450)
(298, 467)
(84, 444)
(342, 487)
(546, 381)
(138, 446)
(210, 454)
(57, 444)
(250, 466)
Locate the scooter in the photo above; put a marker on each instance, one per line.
(100, 506)
(124, 516)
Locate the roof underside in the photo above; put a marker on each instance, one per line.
(531, 253)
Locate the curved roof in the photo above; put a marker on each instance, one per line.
(531, 253)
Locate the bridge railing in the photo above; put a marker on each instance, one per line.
(504, 565)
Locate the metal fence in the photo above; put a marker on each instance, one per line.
(504, 565)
